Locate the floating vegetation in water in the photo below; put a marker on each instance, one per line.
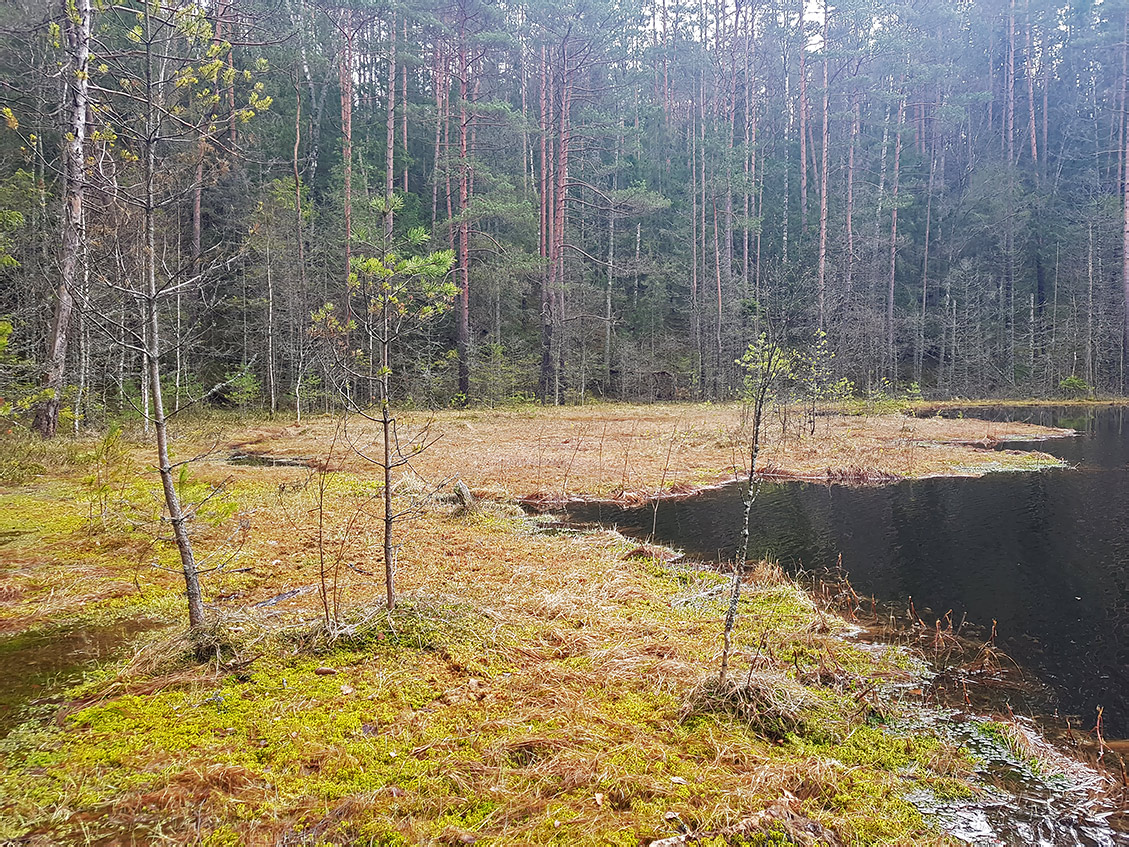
(1031, 794)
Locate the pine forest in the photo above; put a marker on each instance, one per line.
(933, 194)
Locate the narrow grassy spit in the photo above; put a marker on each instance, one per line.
(532, 686)
(634, 453)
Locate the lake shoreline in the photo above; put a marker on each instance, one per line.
(520, 653)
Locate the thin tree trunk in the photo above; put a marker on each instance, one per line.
(766, 378)
(1089, 345)
(390, 135)
(786, 191)
(823, 175)
(77, 26)
(611, 266)
(748, 161)
(404, 106)
(299, 238)
(177, 518)
(386, 422)
(1124, 255)
(1009, 229)
(851, 199)
(347, 135)
(718, 380)
(84, 339)
(891, 351)
(695, 325)
(919, 356)
(703, 181)
(803, 127)
(271, 386)
(1125, 216)
(1009, 73)
(440, 82)
(563, 150)
(526, 149)
(463, 336)
(1030, 69)
(546, 203)
(197, 202)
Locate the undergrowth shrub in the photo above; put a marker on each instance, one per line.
(1075, 388)
(416, 622)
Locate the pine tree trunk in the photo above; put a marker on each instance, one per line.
(1030, 72)
(299, 237)
(891, 350)
(390, 134)
(404, 107)
(346, 77)
(919, 353)
(463, 328)
(695, 323)
(562, 161)
(850, 212)
(803, 127)
(271, 382)
(611, 266)
(1124, 248)
(546, 205)
(440, 82)
(823, 176)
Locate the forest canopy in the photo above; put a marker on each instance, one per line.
(629, 194)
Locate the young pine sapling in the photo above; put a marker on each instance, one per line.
(764, 363)
(401, 291)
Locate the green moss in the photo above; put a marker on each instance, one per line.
(225, 836)
(395, 746)
(47, 511)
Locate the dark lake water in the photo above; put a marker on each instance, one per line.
(1045, 554)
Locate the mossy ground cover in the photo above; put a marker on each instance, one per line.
(532, 687)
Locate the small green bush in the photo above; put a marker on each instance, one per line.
(1075, 387)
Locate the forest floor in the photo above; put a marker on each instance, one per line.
(533, 686)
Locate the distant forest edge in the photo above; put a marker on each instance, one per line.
(622, 199)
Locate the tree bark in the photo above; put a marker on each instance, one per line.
(1029, 64)
(851, 199)
(463, 336)
(77, 27)
(177, 518)
(390, 135)
(346, 77)
(404, 106)
(546, 203)
(803, 127)
(299, 238)
(1124, 250)
(439, 79)
(823, 175)
(695, 322)
(891, 351)
(919, 353)
(564, 139)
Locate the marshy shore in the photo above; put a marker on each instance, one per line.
(533, 685)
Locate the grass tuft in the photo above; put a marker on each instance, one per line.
(767, 701)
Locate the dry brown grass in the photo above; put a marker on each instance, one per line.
(633, 452)
(562, 709)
